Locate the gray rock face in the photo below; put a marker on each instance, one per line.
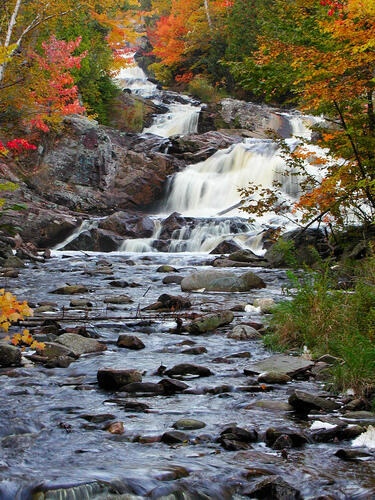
(282, 364)
(80, 345)
(221, 281)
(9, 355)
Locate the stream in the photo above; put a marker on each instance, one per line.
(54, 437)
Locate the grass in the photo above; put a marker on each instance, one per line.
(331, 321)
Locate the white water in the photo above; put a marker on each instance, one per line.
(180, 119)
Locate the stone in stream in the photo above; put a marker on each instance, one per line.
(80, 303)
(70, 290)
(226, 246)
(186, 369)
(245, 256)
(170, 279)
(296, 437)
(235, 438)
(143, 388)
(116, 428)
(244, 332)
(119, 299)
(168, 302)
(266, 305)
(130, 342)
(80, 345)
(188, 424)
(113, 379)
(303, 402)
(210, 322)
(221, 281)
(174, 437)
(44, 309)
(166, 269)
(274, 378)
(359, 455)
(9, 355)
(273, 488)
(13, 262)
(270, 405)
(119, 284)
(97, 418)
(54, 350)
(171, 386)
(195, 351)
(281, 363)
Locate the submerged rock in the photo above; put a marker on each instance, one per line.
(70, 290)
(221, 281)
(188, 424)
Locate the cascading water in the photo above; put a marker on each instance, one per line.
(181, 118)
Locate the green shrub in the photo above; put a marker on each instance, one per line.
(327, 320)
(201, 88)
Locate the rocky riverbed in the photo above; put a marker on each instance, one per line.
(148, 391)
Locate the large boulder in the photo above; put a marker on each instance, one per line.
(96, 240)
(302, 246)
(210, 322)
(80, 345)
(171, 224)
(221, 281)
(128, 225)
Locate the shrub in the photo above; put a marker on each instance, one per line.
(201, 88)
(328, 320)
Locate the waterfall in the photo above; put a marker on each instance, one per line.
(181, 119)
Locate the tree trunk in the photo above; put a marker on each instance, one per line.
(8, 37)
(208, 14)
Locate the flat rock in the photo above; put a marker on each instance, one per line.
(188, 424)
(143, 388)
(274, 377)
(113, 379)
(70, 290)
(186, 369)
(289, 365)
(55, 350)
(170, 279)
(119, 299)
(80, 345)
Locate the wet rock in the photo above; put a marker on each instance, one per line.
(80, 303)
(96, 240)
(188, 424)
(241, 355)
(128, 225)
(296, 437)
(221, 389)
(81, 330)
(283, 442)
(210, 322)
(97, 418)
(116, 428)
(358, 455)
(235, 438)
(243, 332)
(172, 386)
(327, 435)
(169, 303)
(70, 290)
(280, 363)
(303, 402)
(271, 405)
(170, 279)
(265, 305)
(221, 281)
(118, 300)
(166, 269)
(80, 345)
(360, 415)
(174, 437)
(186, 369)
(59, 362)
(246, 256)
(274, 378)
(119, 284)
(273, 488)
(171, 224)
(195, 351)
(13, 262)
(225, 247)
(9, 355)
(55, 350)
(113, 379)
(130, 342)
(143, 388)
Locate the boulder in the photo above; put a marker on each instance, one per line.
(96, 240)
(273, 488)
(188, 424)
(9, 355)
(303, 402)
(265, 305)
(303, 246)
(281, 363)
(119, 300)
(221, 281)
(296, 437)
(80, 345)
(70, 290)
(245, 256)
(274, 377)
(186, 369)
(172, 278)
(174, 437)
(113, 379)
(243, 332)
(130, 342)
(55, 350)
(143, 388)
(225, 247)
(210, 322)
(128, 225)
(166, 269)
(169, 303)
(171, 224)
